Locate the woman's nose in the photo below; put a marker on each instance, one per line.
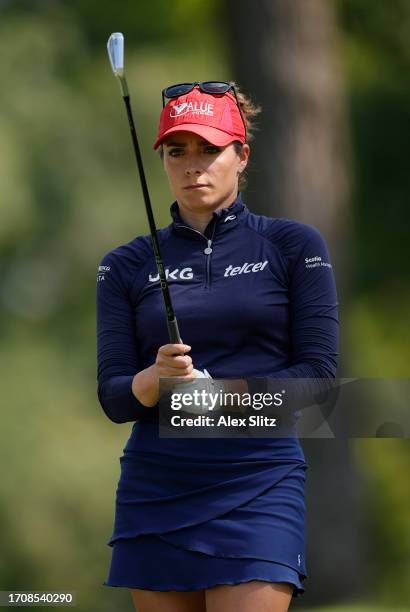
(192, 169)
(192, 165)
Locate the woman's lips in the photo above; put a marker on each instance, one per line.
(196, 186)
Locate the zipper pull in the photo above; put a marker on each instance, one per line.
(208, 249)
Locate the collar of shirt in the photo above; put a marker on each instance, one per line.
(225, 219)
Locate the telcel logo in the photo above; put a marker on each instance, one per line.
(184, 274)
(246, 268)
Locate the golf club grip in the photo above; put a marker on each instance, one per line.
(173, 331)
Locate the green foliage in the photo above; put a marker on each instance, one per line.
(381, 27)
(58, 473)
(379, 349)
(69, 171)
(158, 22)
(376, 53)
(385, 466)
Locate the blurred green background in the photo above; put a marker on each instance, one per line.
(70, 193)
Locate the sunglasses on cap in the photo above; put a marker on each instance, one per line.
(211, 87)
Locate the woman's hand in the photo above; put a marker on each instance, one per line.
(170, 361)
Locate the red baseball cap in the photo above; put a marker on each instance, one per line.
(215, 117)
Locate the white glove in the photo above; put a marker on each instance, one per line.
(200, 374)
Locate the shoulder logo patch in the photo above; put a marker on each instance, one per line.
(316, 262)
(101, 272)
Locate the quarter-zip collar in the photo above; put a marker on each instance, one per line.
(223, 219)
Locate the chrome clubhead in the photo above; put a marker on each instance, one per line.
(115, 47)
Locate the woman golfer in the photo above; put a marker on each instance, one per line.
(211, 524)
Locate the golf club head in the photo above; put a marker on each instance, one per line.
(115, 47)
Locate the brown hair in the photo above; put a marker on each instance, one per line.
(249, 111)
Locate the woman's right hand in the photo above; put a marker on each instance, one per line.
(170, 361)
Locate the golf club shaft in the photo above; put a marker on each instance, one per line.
(173, 330)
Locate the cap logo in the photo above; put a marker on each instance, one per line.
(201, 108)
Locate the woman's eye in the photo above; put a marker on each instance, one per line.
(212, 149)
(175, 152)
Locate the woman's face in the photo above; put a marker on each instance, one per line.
(202, 176)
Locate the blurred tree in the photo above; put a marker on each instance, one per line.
(286, 55)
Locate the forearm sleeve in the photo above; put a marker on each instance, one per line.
(117, 355)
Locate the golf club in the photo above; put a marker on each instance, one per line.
(115, 46)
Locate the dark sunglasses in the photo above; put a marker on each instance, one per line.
(211, 87)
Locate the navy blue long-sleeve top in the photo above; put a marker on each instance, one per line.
(254, 296)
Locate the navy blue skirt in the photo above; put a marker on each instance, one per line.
(261, 537)
(148, 562)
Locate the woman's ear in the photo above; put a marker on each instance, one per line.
(244, 156)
